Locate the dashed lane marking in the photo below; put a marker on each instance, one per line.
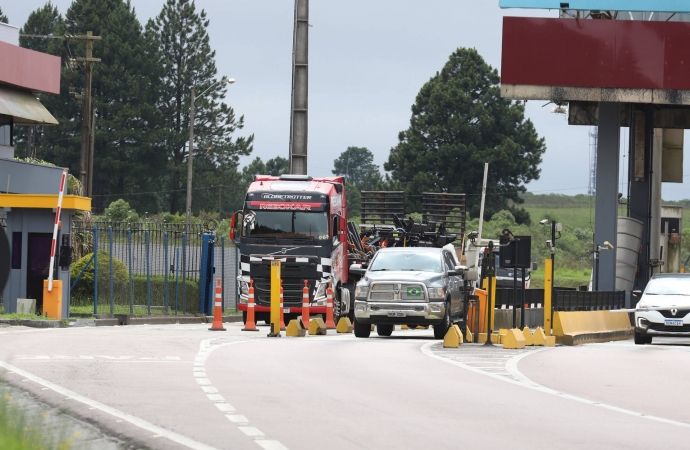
(511, 374)
(177, 438)
(199, 373)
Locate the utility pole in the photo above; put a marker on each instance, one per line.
(92, 138)
(300, 89)
(86, 158)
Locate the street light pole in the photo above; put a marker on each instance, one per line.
(190, 161)
(190, 157)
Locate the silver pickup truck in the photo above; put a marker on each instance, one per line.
(408, 286)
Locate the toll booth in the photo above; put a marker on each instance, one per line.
(29, 205)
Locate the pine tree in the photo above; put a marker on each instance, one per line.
(459, 122)
(188, 62)
(357, 165)
(127, 160)
(3, 18)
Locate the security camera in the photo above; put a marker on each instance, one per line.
(473, 236)
(544, 222)
(508, 235)
(608, 245)
(548, 243)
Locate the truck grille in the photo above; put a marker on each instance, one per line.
(388, 292)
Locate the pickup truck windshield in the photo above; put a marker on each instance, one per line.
(286, 224)
(423, 262)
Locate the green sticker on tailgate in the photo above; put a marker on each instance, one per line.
(414, 292)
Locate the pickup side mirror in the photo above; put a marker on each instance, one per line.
(636, 293)
(357, 269)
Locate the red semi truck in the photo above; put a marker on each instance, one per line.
(301, 221)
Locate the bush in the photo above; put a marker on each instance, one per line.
(84, 287)
(119, 211)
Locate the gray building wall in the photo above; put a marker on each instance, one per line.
(27, 221)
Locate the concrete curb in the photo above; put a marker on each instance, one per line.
(124, 319)
(33, 323)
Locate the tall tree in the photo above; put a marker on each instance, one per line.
(459, 122)
(188, 62)
(3, 18)
(357, 165)
(277, 166)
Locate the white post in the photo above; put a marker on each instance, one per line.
(481, 208)
(55, 230)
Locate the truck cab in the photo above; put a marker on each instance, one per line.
(301, 221)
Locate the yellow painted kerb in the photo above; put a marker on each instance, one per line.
(44, 201)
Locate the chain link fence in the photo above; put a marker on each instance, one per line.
(145, 268)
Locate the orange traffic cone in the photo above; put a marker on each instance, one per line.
(282, 311)
(305, 305)
(330, 323)
(217, 311)
(250, 324)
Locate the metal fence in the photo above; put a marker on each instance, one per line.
(146, 268)
(565, 300)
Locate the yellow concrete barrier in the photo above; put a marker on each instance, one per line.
(469, 337)
(344, 325)
(539, 337)
(529, 339)
(514, 339)
(317, 327)
(453, 337)
(295, 329)
(581, 327)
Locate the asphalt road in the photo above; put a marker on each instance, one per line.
(182, 386)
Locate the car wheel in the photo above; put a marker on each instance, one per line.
(648, 340)
(362, 330)
(384, 330)
(441, 329)
(641, 339)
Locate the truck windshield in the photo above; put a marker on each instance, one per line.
(423, 262)
(286, 224)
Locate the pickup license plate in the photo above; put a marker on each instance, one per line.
(396, 314)
(673, 322)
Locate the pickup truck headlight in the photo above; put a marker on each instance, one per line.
(436, 292)
(361, 291)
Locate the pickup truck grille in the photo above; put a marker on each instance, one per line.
(388, 292)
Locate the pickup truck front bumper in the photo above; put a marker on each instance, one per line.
(400, 313)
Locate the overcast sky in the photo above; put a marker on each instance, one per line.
(368, 59)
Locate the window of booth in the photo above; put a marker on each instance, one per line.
(6, 134)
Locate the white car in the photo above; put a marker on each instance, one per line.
(670, 293)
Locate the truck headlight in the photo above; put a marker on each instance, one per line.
(361, 291)
(436, 292)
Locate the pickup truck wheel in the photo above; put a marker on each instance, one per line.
(384, 329)
(441, 329)
(362, 330)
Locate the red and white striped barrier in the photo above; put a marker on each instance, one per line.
(63, 182)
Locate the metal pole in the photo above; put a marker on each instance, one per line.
(184, 273)
(481, 210)
(596, 269)
(165, 246)
(522, 301)
(190, 160)
(491, 272)
(553, 268)
(131, 283)
(95, 270)
(148, 273)
(514, 244)
(112, 283)
(177, 274)
(222, 272)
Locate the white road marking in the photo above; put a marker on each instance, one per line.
(178, 438)
(205, 351)
(521, 380)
